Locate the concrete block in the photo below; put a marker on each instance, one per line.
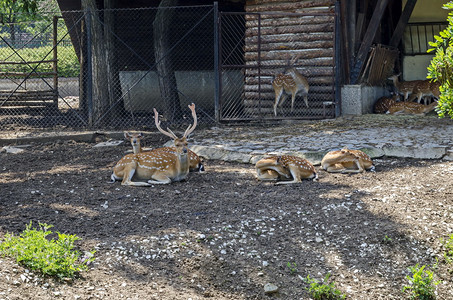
(359, 99)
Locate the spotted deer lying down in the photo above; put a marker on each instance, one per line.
(195, 162)
(347, 161)
(157, 167)
(411, 108)
(284, 168)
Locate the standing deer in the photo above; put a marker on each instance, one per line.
(425, 88)
(346, 161)
(404, 87)
(411, 108)
(290, 82)
(195, 164)
(284, 167)
(157, 167)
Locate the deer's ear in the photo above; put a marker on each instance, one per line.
(126, 135)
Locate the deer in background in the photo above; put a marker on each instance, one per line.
(157, 167)
(382, 104)
(195, 164)
(411, 108)
(135, 139)
(285, 167)
(425, 88)
(347, 161)
(290, 82)
(404, 87)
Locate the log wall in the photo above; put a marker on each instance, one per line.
(278, 30)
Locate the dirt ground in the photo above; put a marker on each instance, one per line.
(222, 234)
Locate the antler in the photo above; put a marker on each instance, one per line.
(191, 127)
(167, 133)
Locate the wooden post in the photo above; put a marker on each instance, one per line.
(368, 40)
(399, 30)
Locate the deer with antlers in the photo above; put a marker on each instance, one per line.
(157, 167)
(285, 167)
(347, 161)
(195, 162)
(290, 82)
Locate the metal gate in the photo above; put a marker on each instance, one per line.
(256, 47)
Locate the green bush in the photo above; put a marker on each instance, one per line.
(323, 291)
(441, 66)
(51, 257)
(421, 283)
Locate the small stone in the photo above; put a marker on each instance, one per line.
(270, 288)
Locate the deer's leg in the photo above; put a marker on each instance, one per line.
(159, 178)
(278, 94)
(283, 99)
(128, 173)
(267, 174)
(306, 100)
(296, 177)
(293, 97)
(335, 168)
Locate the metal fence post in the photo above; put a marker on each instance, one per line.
(337, 59)
(216, 64)
(89, 71)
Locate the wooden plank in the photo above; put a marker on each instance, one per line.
(296, 6)
(327, 27)
(402, 22)
(292, 45)
(318, 36)
(368, 39)
(286, 20)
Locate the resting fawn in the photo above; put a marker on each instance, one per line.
(285, 167)
(347, 161)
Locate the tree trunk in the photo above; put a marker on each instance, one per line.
(113, 80)
(100, 111)
(165, 70)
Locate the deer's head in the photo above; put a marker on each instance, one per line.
(180, 143)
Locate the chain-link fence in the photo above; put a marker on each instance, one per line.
(272, 56)
(108, 69)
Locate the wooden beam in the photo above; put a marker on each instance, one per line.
(399, 30)
(368, 39)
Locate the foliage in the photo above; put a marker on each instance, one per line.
(52, 257)
(68, 64)
(421, 284)
(292, 267)
(323, 291)
(448, 245)
(387, 239)
(441, 66)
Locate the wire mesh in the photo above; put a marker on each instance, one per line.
(108, 69)
(113, 67)
(257, 47)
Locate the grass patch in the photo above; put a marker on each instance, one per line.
(421, 283)
(54, 257)
(323, 290)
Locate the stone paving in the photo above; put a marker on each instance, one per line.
(311, 140)
(378, 135)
